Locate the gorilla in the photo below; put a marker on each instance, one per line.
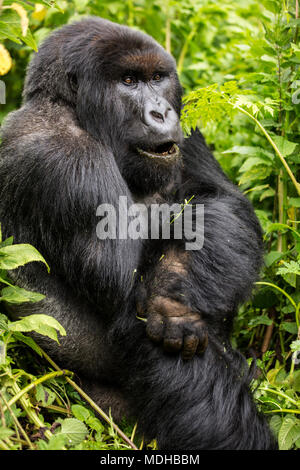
(148, 321)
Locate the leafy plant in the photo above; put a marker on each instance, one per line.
(23, 394)
(239, 64)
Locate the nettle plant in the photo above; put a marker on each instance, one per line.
(260, 110)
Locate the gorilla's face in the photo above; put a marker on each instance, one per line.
(146, 105)
(151, 122)
(125, 91)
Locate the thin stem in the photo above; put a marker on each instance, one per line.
(280, 290)
(268, 333)
(130, 13)
(185, 49)
(30, 413)
(281, 394)
(92, 403)
(296, 16)
(283, 410)
(168, 33)
(3, 446)
(33, 384)
(282, 196)
(17, 423)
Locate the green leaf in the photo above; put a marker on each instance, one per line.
(95, 424)
(263, 218)
(294, 201)
(289, 432)
(13, 256)
(8, 241)
(289, 271)
(268, 193)
(260, 320)
(3, 322)
(17, 295)
(285, 146)
(265, 298)
(272, 257)
(277, 227)
(290, 327)
(5, 433)
(28, 341)
(267, 58)
(44, 395)
(30, 41)
(2, 352)
(10, 27)
(295, 345)
(249, 151)
(42, 324)
(296, 381)
(74, 430)
(56, 442)
(258, 172)
(275, 424)
(80, 412)
(7, 32)
(254, 162)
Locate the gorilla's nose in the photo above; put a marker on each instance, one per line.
(161, 117)
(158, 116)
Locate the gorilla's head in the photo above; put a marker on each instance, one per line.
(125, 92)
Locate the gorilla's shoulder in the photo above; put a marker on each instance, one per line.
(42, 122)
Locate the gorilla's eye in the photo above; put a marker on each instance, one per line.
(129, 80)
(157, 77)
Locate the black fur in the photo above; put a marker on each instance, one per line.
(71, 147)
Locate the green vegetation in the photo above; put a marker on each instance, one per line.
(239, 63)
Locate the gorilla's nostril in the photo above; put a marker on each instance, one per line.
(157, 116)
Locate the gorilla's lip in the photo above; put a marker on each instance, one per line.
(166, 151)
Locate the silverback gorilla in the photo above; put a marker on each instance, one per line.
(100, 121)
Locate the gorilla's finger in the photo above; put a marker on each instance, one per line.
(190, 345)
(172, 336)
(202, 335)
(172, 344)
(203, 342)
(155, 327)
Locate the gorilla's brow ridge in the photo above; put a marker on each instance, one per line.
(145, 62)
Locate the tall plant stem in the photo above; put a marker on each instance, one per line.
(271, 141)
(168, 33)
(26, 389)
(168, 27)
(27, 407)
(130, 13)
(91, 402)
(185, 49)
(282, 218)
(17, 423)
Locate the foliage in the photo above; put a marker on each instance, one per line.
(41, 408)
(239, 64)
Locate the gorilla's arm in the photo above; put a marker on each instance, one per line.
(52, 202)
(213, 280)
(226, 267)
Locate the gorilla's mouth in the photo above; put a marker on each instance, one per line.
(166, 151)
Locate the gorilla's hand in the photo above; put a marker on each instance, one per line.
(174, 324)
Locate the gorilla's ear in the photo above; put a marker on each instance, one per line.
(73, 82)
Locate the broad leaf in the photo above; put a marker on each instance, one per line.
(74, 430)
(289, 432)
(42, 324)
(13, 256)
(17, 295)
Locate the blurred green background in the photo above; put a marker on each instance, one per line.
(238, 62)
